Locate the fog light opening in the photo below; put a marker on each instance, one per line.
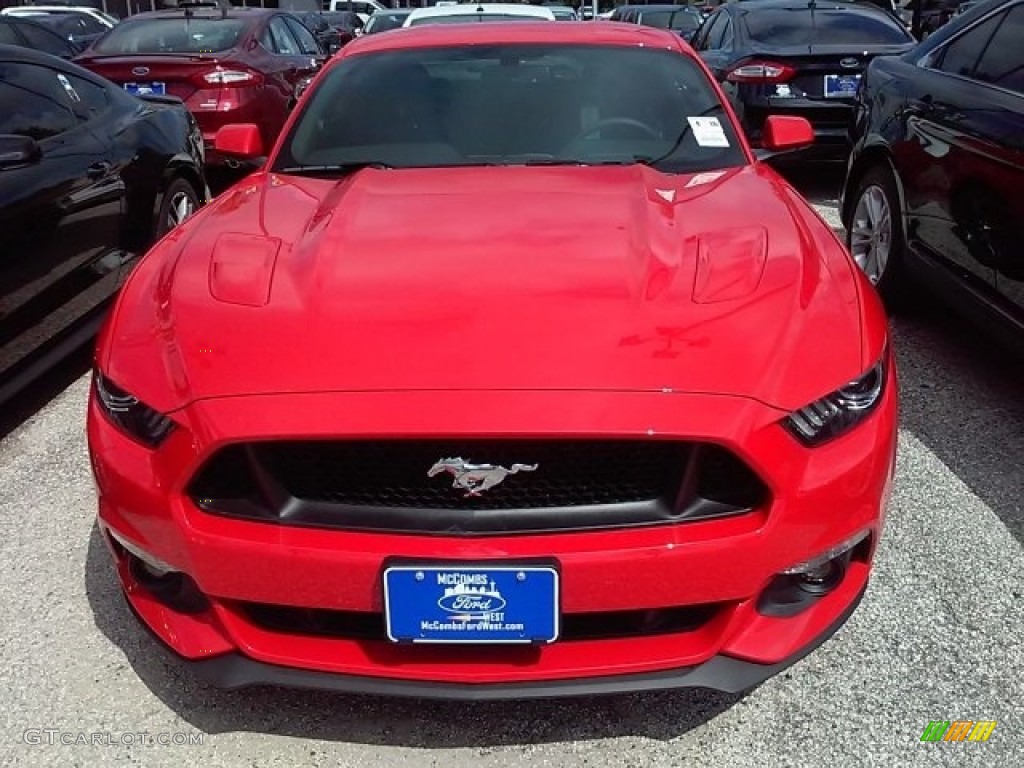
(153, 563)
(822, 579)
(174, 589)
(796, 589)
(160, 579)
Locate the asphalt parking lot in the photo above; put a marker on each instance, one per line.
(938, 636)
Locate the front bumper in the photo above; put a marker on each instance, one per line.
(722, 673)
(819, 498)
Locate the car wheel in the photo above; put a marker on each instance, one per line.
(180, 201)
(875, 236)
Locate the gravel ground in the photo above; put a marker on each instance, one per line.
(938, 636)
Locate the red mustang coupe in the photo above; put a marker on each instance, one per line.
(504, 377)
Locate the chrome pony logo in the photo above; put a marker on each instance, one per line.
(474, 479)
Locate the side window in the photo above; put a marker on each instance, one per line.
(44, 40)
(712, 27)
(42, 107)
(307, 43)
(267, 40)
(727, 36)
(1001, 63)
(91, 26)
(88, 100)
(961, 55)
(716, 35)
(8, 36)
(284, 43)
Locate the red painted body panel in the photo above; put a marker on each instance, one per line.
(820, 497)
(499, 302)
(405, 280)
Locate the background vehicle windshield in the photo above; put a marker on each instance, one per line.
(514, 104)
(463, 18)
(171, 35)
(781, 27)
(382, 21)
(676, 20)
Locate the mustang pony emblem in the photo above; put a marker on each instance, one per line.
(474, 479)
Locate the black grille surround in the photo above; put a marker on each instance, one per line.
(359, 625)
(383, 485)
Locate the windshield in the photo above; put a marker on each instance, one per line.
(479, 105)
(779, 27)
(676, 20)
(171, 35)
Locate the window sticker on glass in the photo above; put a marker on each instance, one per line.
(72, 93)
(708, 132)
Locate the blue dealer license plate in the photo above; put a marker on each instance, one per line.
(497, 604)
(145, 89)
(841, 86)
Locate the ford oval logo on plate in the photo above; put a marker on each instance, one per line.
(463, 598)
(140, 70)
(849, 62)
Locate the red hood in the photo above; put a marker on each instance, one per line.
(561, 278)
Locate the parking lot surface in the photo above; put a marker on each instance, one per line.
(938, 636)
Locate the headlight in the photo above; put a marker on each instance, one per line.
(131, 415)
(840, 411)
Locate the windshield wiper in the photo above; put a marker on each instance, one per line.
(337, 169)
(645, 160)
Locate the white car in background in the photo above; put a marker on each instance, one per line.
(94, 21)
(463, 12)
(364, 9)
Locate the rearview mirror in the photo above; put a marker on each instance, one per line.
(241, 141)
(17, 151)
(786, 132)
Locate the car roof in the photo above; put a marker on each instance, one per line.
(18, 10)
(21, 55)
(667, 8)
(206, 12)
(28, 55)
(658, 7)
(749, 6)
(511, 33)
(35, 21)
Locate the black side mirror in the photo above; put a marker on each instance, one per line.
(18, 151)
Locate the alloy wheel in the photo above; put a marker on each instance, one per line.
(871, 232)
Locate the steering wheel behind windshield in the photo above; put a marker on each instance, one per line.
(626, 122)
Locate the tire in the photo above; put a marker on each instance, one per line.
(179, 201)
(875, 236)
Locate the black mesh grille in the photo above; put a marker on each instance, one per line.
(556, 485)
(567, 474)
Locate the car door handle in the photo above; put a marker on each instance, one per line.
(98, 170)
